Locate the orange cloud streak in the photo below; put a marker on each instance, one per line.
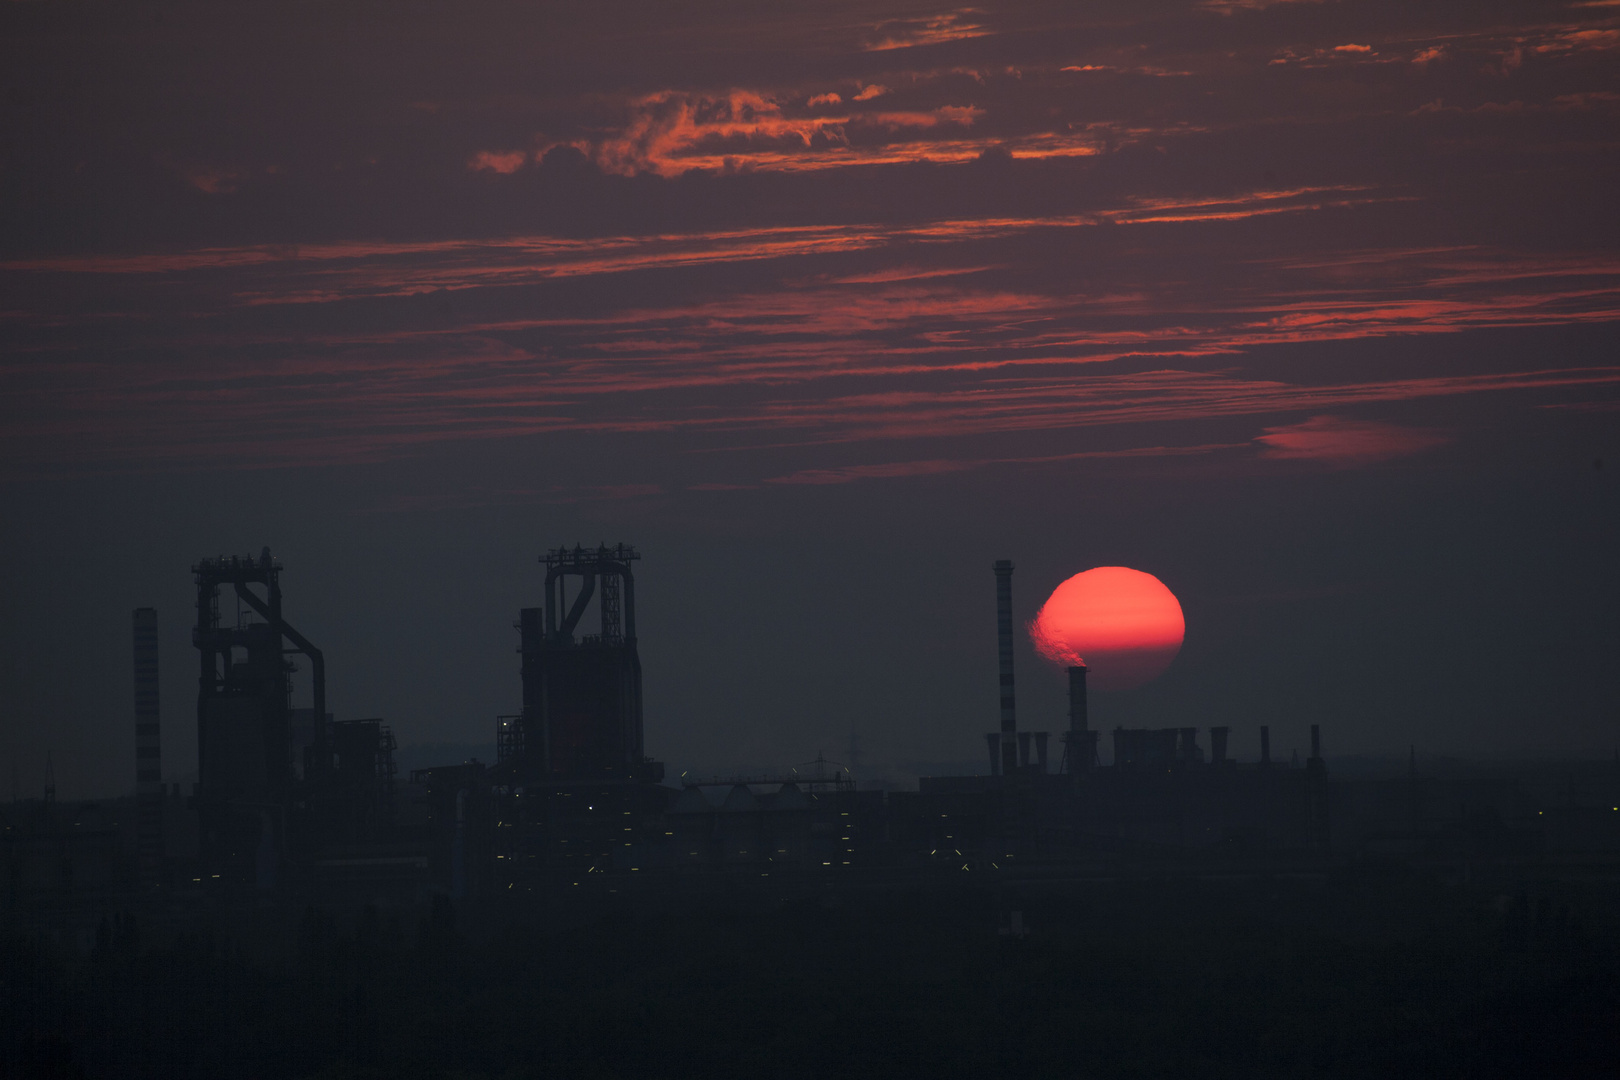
(1346, 442)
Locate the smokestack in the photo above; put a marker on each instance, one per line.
(1080, 744)
(148, 748)
(1023, 749)
(993, 741)
(1217, 745)
(1265, 745)
(1040, 751)
(1004, 649)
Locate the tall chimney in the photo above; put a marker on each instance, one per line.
(993, 741)
(148, 749)
(1217, 744)
(1040, 751)
(1004, 650)
(1265, 745)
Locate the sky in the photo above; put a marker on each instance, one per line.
(1309, 309)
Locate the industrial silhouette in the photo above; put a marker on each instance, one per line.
(294, 803)
(676, 914)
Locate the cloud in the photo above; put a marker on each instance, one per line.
(886, 471)
(494, 161)
(1579, 39)
(666, 129)
(1232, 7)
(899, 470)
(823, 99)
(930, 30)
(674, 132)
(1586, 99)
(870, 92)
(947, 114)
(1338, 441)
(212, 181)
(1337, 54)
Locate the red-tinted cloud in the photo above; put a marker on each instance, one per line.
(929, 30)
(896, 352)
(819, 229)
(1339, 441)
(503, 162)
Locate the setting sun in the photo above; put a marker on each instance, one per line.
(1121, 623)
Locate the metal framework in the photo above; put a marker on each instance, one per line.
(612, 565)
(581, 716)
(217, 645)
(508, 739)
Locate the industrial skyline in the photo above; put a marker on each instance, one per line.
(1308, 310)
(291, 804)
(552, 538)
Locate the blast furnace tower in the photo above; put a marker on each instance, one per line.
(581, 716)
(245, 746)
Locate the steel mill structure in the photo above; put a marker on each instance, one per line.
(581, 716)
(292, 802)
(279, 791)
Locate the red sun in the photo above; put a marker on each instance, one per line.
(1122, 624)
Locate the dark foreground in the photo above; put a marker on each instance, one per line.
(1376, 971)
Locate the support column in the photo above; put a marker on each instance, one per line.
(148, 750)
(1004, 653)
